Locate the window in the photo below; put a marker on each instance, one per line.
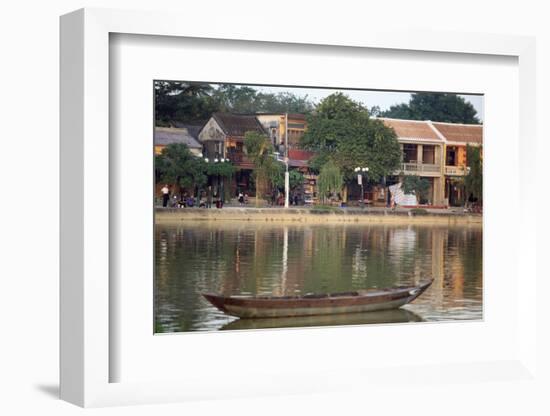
(409, 153)
(428, 154)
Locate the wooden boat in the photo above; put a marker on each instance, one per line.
(317, 304)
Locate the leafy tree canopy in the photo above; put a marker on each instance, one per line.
(183, 102)
(341, 131)
(449, 108)
(416, 185)
(224, 169)
(190, 103)
(295, 178)
(330, 180)
(177, 165)
(259, 150)
(473, 181)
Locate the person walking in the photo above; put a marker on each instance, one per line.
(165, 195)
(209, 197)
(241, 198)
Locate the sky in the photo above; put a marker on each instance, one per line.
(369, 98)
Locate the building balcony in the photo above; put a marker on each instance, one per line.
(421, 169)
(456, 170)
(240, 160)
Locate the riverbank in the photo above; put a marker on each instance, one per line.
(316, 215)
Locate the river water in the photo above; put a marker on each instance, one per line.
(285, 259)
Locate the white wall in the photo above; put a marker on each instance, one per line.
(29, 163)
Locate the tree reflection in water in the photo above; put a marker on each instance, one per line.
(288, 259)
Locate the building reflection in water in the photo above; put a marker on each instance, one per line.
(288, 259)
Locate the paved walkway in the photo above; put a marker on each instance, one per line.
(294, 210)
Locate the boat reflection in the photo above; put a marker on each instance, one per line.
(392, 316)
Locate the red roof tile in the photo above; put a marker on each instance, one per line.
(298, 154)
(408, 129)
(465, 133)
(238, 124)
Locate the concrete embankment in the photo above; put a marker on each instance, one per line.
(316, 216)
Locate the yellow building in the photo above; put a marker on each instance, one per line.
(422, 149)
(437, 152)
(457, 137)
(277, 125)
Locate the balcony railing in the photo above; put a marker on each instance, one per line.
(455, 170)
(415, 168)
(239, 159)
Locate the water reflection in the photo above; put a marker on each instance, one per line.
(252, 258)
(391, 316)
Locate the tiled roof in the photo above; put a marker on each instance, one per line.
(409, 129)
(298, 154)
(168, 135)
(238, 124)
(297, 163)
(463, 133)
(291, 116)
(192, 129)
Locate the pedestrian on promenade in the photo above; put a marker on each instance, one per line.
(241, 198)
(165, 195)
(209, 197)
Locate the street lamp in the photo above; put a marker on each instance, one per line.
(360, 172)
(285, 160)
(287, 183)
(220, 181)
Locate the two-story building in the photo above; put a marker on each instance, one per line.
(437, 151)
(222, 137)
(457, 137)
(422, 149)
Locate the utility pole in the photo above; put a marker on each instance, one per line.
(287, 176)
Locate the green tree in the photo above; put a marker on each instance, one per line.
(284, 102)
(341, 131)
(444, 107)
(412, 184)
(177, 165)
(236, 99)
(225, 169)
(194, 103)
(295, 178)
(183, 101)
(330, 180)
(473, 181)
(259, 150)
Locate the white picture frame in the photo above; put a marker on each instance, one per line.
(85, 182)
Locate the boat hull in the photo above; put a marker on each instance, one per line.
(289, 306)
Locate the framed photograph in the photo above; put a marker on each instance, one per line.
(289, 207)
(290, 212)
